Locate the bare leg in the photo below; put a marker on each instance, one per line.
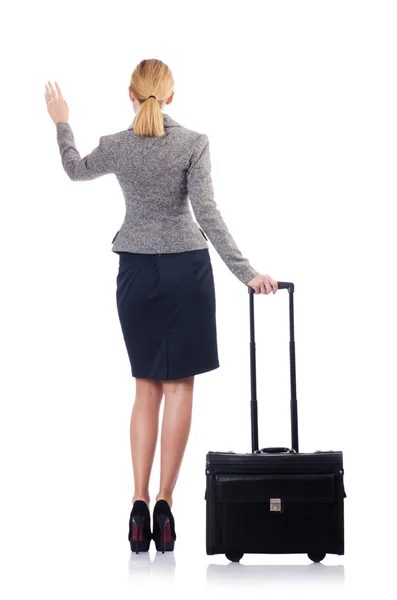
(143, 433)
(177, 416)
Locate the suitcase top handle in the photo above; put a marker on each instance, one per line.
(274, 450)
(280, 284)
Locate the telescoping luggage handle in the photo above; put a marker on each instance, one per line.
(254, 404)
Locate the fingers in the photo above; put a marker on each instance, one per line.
(59, 90)
(274, 285)
(48, 95)
(264, 285)
(270, 285)
(52, 91)
(52, 94)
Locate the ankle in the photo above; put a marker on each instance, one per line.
(141, 497)
(166, 497)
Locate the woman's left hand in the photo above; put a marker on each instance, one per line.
(57, 107)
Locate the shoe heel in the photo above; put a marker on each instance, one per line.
(138, 542)
(166, 542)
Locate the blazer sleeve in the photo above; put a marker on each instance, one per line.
(99, 162)
(201, 195)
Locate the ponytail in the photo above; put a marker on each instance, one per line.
(151, 78)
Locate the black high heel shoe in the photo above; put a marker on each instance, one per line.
(139, 533)
(163, 526)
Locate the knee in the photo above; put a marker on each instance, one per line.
(177, 386)
(152, 388)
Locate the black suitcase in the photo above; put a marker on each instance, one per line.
(274, 500)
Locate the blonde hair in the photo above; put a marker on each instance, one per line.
(150, 77)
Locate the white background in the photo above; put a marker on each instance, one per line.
(298, 99)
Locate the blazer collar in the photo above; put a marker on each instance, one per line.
(168, 122)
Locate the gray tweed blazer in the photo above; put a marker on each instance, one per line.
(157, 176)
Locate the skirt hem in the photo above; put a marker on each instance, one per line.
(206, 370)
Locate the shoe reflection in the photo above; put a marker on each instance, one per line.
(152, 564)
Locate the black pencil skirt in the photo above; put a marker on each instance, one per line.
(167, 311)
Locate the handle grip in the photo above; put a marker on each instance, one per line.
(282, 285)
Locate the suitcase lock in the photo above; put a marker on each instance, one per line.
(275, 504)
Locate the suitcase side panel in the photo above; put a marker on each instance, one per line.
(212, 517)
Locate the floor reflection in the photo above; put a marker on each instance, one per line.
(274, 574)
(162, 566)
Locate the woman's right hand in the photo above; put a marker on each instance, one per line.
(263, 284)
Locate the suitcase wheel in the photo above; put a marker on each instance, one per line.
(316, 556)
(234, 557)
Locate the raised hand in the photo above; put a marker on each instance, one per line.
(56, 105)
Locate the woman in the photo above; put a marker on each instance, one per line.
(165, 286)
